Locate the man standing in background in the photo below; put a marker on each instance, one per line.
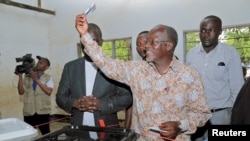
(36, 88)
(141, 42)
(220, 67)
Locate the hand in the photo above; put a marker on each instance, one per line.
(17, 73)
(33, 75)
(172, 128)
(88, 103)
(20, 75)
(81, 24)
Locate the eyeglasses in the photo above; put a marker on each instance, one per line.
(154, 43)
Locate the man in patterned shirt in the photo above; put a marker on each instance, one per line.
(167, 94)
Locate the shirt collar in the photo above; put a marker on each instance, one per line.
(173, 65)
(201, 49)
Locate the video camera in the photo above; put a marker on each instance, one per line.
(27, 65)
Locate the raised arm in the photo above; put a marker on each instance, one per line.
(115, 69)
(81, 24)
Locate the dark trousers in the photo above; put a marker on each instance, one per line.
(200, 131)
(39, 121)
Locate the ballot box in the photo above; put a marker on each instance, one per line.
(83, 133)
(14, 129)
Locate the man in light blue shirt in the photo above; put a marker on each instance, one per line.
(220, 67)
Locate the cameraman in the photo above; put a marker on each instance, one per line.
(36, 88)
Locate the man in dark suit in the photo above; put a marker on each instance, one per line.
(240, 112)
(101, 99)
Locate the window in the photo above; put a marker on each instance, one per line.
(30, 5)
(238, 36)
(117, 48)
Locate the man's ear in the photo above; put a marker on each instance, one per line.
(101, 41)
(169, 45)
(220, 31)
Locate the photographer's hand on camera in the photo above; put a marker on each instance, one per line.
(17, 73)
(33, 75)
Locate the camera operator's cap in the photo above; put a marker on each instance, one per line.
(45, 59)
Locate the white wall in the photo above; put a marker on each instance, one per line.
(23, 31)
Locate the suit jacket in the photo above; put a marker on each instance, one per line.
(110, 92)
(241, 108)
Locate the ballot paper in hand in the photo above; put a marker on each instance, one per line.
(90, 9)
(156, 129)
